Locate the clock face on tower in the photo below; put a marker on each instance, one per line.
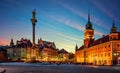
(89, 34)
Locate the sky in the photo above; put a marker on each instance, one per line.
(59, 21)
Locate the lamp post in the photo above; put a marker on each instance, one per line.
(112, 50)
(84, 55)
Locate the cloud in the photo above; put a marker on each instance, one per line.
(99, 33)
(105, 10)
(83, 15)
(68, 47)
(70, 38)
(99, 23)
(4, 42)
(68, 22)
(62, 35)
(75, 11)
(72, 24)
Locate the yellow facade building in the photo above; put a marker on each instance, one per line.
(102, 51)
(47, 51)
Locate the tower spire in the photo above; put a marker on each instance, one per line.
(113, 24)
(89, 24)
(76, 47)
(88, 15)
(11, 43)
(113, 28)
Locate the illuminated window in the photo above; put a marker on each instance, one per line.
(118, 45)
(108, 54)
(105, 46)
(110, 38)
(98, 55)
(101, 55)
(105, 62)
(101, 47)
(99, 62)
(105, 54)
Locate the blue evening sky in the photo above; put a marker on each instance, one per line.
(59, 21)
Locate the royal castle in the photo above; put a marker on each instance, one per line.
(102, 51)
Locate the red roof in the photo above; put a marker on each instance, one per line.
(99, 41)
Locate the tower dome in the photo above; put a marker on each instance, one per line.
(113, 28)
(89, 24)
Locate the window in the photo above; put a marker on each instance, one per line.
(99, 62)
(108, 54)
(105, 54)
(105, 62)
(98, 55)
(118, 53)
(105, 46)
(110, 38)
(108, 45)
(118, 45)
(101, 47)
(101, 55)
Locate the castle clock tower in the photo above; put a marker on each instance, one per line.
(88, 33)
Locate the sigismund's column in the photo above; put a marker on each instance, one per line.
(33, 20)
